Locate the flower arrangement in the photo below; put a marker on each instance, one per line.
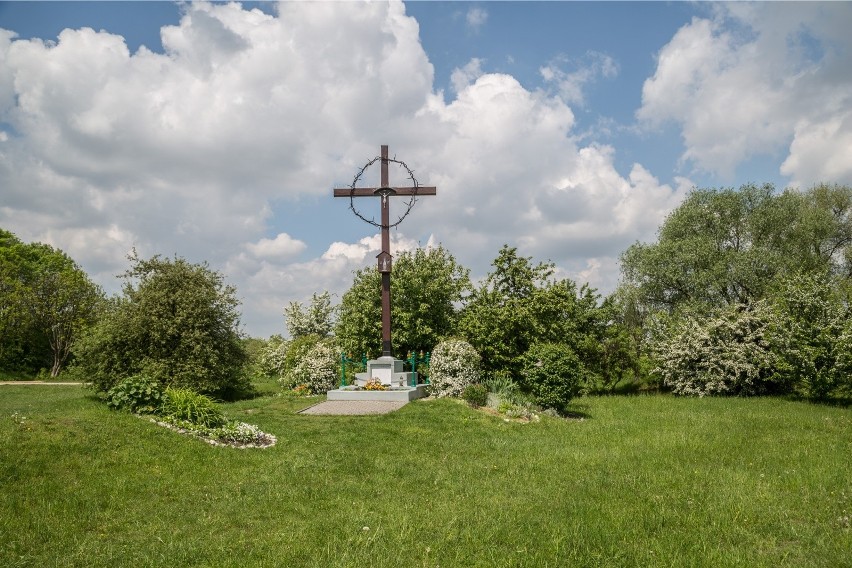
(375, 384)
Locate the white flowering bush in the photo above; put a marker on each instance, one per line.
(454, 365)
(726, 353)
(318, 370)
(273, 357)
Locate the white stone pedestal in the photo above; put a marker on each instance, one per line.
(389, 371)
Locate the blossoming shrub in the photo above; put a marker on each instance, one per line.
(726, 353)
(454, 365)
(273, 357)
(553, 374)
(318, 369)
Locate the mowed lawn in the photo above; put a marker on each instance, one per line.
(637, 481)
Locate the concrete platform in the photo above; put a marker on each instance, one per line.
(403, 394)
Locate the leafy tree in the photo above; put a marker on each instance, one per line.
(315, 319)
(175, 321)
(46, 301)
(520, 304)
(727, 246)
(425, 288)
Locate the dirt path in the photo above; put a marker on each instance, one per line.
(37, 383)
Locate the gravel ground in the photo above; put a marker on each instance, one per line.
(353, 407)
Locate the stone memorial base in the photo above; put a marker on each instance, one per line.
(395, 394)
(388, 371)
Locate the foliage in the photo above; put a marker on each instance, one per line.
(722, 247)
(501, 383)
(315, 319)
(293, 353)
(186, 404)
(175, 321)
(553, 374)
(46, 301)
(426, 286)
(139, 393)
(241, 433)
(455, 364)
(318, 370)
(475, 395)
(728, 352)
(520, 304)
(812, 336)
(272, 359)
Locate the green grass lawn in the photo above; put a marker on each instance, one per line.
(639, 481)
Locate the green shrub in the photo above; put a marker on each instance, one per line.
(139, 393)
(553, 374)
(454, 365)
(812, 335)
(189, 406)
(475, 395)
(176, 321)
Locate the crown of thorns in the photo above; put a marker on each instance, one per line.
(411, 201)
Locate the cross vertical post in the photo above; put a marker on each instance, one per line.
(386, 302)
(385, 191)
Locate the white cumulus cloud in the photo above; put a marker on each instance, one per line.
(759, 79)
(198, 150)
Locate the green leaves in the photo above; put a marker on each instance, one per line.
(553, 374)
(728, 246)
(45, 302)
(426, 286)
(519, 304)
(177, 322)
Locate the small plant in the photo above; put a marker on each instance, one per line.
(239, 433)
(375, 384)
(501, 383)
(475, 395)
(189, 406)
(138, 393)
(301, 390)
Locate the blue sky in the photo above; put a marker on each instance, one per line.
(567, 129)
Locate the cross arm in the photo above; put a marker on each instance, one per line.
(374, 191)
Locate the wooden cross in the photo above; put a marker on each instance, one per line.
(384, 258)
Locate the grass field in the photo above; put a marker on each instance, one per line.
(638, 481)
